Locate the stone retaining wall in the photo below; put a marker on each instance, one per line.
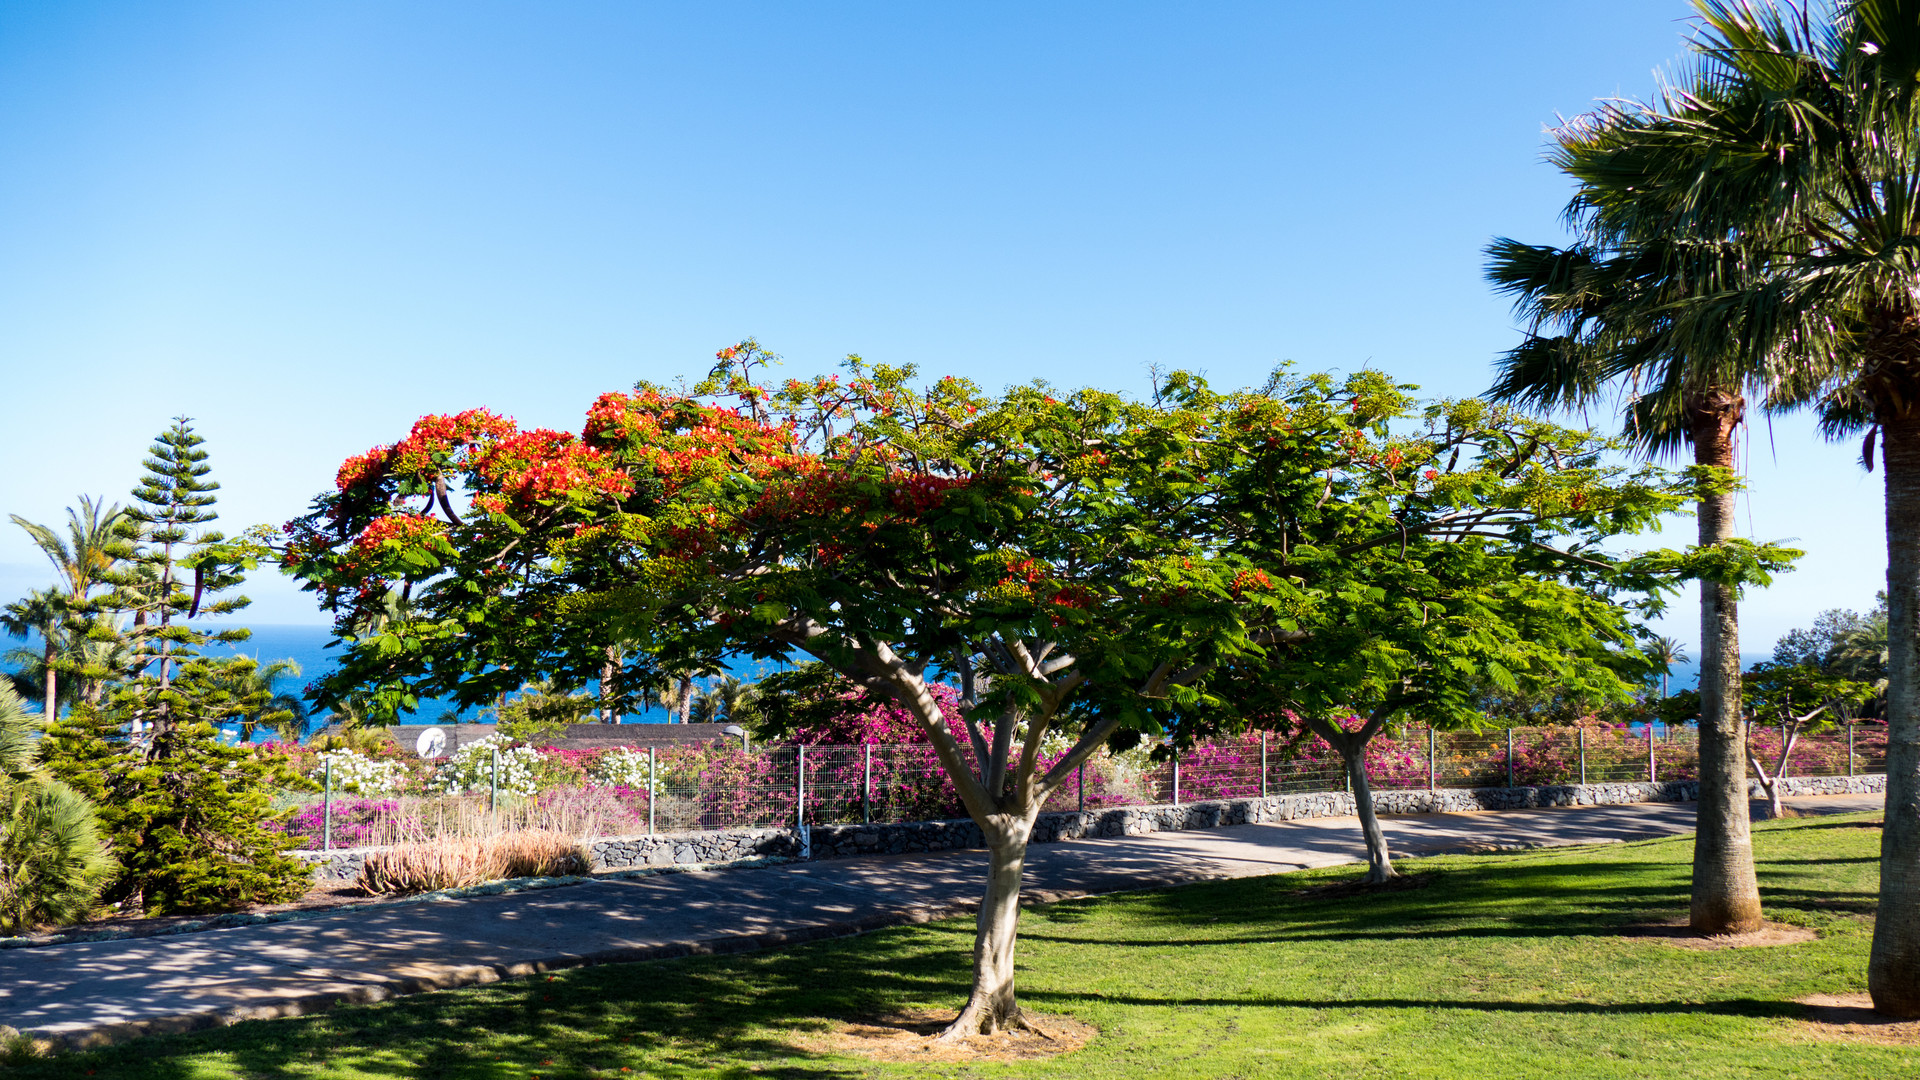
(848, 841)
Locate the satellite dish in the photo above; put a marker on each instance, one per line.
(432, 743)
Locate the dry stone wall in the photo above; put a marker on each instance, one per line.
(851, 841)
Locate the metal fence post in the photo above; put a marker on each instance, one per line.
(1583, 757)
(866, 788)
(800, 787)
(326, 811)
(1652, 777)
(1176, 776)
(1849, 749)
(1509, 757)
(653, 790)
(1433, 748)
(1080, 777)
(1263, 764)
(493, 792)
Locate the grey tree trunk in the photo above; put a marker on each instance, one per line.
(1726, 892)
(1379, 862)
(1893, 967)
(991, 1006)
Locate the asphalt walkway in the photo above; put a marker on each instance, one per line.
(92, 993)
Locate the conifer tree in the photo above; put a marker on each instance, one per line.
(170, 566)
(187, 814)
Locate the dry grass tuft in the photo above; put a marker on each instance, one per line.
(458, 862)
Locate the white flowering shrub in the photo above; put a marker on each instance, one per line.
(361, 774)
(471, 768)
(621, 767)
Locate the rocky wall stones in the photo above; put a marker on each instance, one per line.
(852, 841)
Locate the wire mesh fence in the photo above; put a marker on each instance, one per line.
(689, 788)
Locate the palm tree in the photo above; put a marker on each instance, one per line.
(83, 561)
(283, 713)
(82, 558)
(1601, 315)
(728, 696)
(42, 613)
(1797, 138)
(1665, 652)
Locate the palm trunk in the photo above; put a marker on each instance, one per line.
(609, 671)
(1893, 967)
(52, 707)
(1726, 892)
(991, 1005)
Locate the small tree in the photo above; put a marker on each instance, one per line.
(1077, 564)
(187, 814)
(1796, 699)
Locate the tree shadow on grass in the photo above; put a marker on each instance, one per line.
(694, 1017)
(1561, 900)
(1744, 1007)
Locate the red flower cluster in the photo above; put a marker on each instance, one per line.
(1250, 579)
(919, 494)
(529, 466)
(367, 468)
(434, 438)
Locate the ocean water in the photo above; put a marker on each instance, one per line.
(307, 646)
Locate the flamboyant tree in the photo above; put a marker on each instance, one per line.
(1457, 557)
(1077, 565)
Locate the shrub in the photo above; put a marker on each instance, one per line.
(360, 774)
(189, 817)
(471, 768)
(458, 862)
(53, 861)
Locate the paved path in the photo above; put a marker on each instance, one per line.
(97, 992)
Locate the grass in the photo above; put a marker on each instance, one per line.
(1494, 966)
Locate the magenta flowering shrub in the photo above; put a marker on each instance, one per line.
(353, 822)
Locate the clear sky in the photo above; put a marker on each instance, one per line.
(305, 224)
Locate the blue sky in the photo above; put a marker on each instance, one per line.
(306, 224)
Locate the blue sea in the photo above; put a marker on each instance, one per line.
(307, 646)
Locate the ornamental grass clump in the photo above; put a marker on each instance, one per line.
(459, 862)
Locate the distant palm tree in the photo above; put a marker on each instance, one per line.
(283, 713)
(82, 558)
(60, 616)
(42, 613)
(723, 698)
(1665, 652)
(1602, 320)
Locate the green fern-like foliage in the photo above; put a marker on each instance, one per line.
(53, 858)
(190, 816)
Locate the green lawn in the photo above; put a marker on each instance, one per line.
(1496, 967)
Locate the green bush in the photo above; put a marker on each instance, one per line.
(187, 815)
(53, 860)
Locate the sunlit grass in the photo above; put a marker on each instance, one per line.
(1493, 966)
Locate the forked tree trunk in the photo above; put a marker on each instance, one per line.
(991, 1006)
(1770, 785)
(1726, 892)
(1893, 967)
(1352, 746)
